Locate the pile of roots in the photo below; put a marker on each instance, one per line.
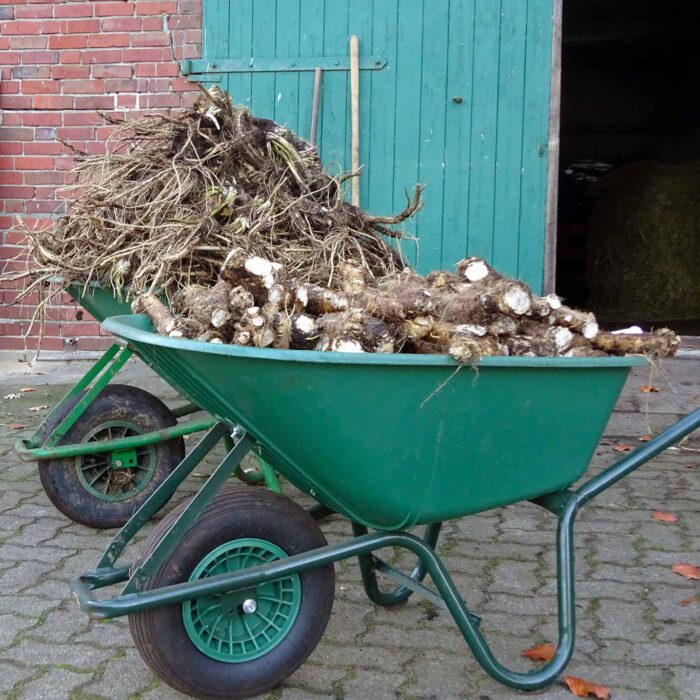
(233, 220)
(175, 193)
(471, 313)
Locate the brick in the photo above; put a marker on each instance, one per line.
(52, 102)
(15, 102)
(114, 71)
(32, 11)
(178, 22)
(40, 87)
(167, 70)
(75, 9)
(149, 39)
(122, 24)
(68, 41)
(120, 85)
(43, 148)
(41, 119)
(31, 72)
(41, 57)
(60, 72)
(114, 9)
(10, 58)
(156, 8)
(80, 26)
(75, 133)
(105, 41)
(151, 101)
(28, 42)
(95, 102)
(16, 134)
(82, 119)
(15, 28)
(84, 87)
(126, 100)
(103, 56)
(152, 24)
(9, 87)
(11, 178)
(10, 192)
(7, 12)
(137, 55)
(189, 7)
(48, 177)
(37, 206)
(71, 56)
(45, 133)
(10, 148)
(34, 163)
(146, 70)
(50, 27)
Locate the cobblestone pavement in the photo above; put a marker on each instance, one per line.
(635, 634)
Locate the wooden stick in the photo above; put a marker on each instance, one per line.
(318, 75)
(355, 116)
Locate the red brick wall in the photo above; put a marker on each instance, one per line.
(60, 62)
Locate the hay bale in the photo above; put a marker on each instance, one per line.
(644, 243)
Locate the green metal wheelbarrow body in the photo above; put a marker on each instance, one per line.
(520, 429)
(100, 303)
(394, 441)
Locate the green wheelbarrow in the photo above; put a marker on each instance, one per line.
(234, 589)
(105, 448)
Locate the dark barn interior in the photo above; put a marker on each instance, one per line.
(629, 191)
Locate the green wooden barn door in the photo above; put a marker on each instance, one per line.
(454, 93)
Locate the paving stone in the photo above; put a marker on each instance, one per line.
(122, 678)
(12, 675)
(56, 683)
(384, 685)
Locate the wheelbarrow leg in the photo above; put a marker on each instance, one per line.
(369, 565)
(161, 495)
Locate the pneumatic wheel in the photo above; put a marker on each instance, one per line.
(241, 644)
(104, 489)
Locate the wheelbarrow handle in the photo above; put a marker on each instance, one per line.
(636, 459)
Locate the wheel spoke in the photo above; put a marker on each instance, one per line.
(99, 476)
(250, 633)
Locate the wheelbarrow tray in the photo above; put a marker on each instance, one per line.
(99, 302)
(393, 441)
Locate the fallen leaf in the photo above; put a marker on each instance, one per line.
(27, 389)
(687, 601)
(543, 652)
(16, 426)
(645, 438)
(623, 448)
(646, 389)
(12, 396)
(582, 688)
(34, 409)
(687, 570)
(664, 517)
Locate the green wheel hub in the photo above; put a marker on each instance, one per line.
(242, 626)
(112, 476)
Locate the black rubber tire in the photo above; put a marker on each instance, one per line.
(60, 480)
(160, 635)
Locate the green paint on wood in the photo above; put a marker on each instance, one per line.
(461, 105)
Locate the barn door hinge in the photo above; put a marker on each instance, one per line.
(278, 65)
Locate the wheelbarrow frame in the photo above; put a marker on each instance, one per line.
(564, 505)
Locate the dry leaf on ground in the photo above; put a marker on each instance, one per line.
(583, 688)
(687, 570)
(687, 601)
(543, 652)
(27, 389)
(645, 438)
(645, 388)
(16, 426)
(664, 517)
(623, 448)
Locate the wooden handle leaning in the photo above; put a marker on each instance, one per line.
(355, 116)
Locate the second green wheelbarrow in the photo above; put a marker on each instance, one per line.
(234, 589)
(105, 447)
